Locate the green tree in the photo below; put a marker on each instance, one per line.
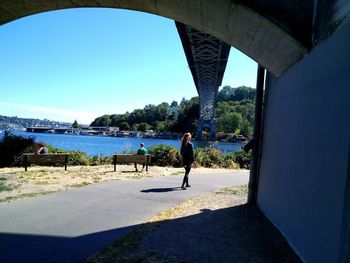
(244, 108)
(151, 113)
(164, 126)
(124, 126)
(247, 129)
(174, 104)
(243, 93)
(75, 125)
(224, 107)
(137, 116)
(162, 111)
(103, 121)
(117, 119)
(224, 93)
(234, 113)
(183, 102)
(247, 109)
(230, 122)
(228, 93)
(143, 126)
(188, 117)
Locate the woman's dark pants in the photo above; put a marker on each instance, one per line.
(187, 172)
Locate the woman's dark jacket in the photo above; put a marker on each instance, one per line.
(187, 153)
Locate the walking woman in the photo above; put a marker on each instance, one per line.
(187, 158)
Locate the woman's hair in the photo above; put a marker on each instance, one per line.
(187, 136)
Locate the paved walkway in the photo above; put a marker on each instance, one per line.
(69, 226)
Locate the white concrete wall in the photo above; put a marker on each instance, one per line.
(305, 149)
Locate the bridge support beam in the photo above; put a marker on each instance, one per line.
(211, 124)
(207, 58)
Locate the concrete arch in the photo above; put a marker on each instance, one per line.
(232, 22)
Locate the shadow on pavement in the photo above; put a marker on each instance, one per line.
(235, 234)
(161, 190)
(39, 248)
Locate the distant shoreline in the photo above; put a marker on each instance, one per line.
(106, 145)
(128, 134)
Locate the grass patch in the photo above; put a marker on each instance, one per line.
(96, 178)
(26, 176)
(177, 173)
(79, 185)
(3, 179)
(173, 211)
(26, 195)
(7, 187)
(235, 190)
(42, 182)
(84, 169)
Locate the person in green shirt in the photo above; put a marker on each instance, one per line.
(141, 151)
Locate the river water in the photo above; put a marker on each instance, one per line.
(106, 146)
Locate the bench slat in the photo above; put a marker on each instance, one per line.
(131, 158)
(49, 158)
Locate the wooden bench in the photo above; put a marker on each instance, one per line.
(131, 158)
(47, 158)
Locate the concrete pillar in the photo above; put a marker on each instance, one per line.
(200, 130)
(213, 130)
(211, 124)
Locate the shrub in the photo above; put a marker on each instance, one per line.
(242, 158)
(55, 150)
(12, 147)
(207, 157)
(202, 158)
(75, 157)
(100, 160)
(211, 157)
(228, 161)
(78, 158)
(164, 155)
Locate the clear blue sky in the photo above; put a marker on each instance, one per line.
(82, 63)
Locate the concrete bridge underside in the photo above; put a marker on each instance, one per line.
(207, 58)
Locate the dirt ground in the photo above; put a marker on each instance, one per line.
(16, 184)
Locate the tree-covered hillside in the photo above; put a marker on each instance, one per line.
(234, 114)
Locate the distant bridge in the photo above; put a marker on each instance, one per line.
(207, 58)
(48, 129)
(68, 130)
